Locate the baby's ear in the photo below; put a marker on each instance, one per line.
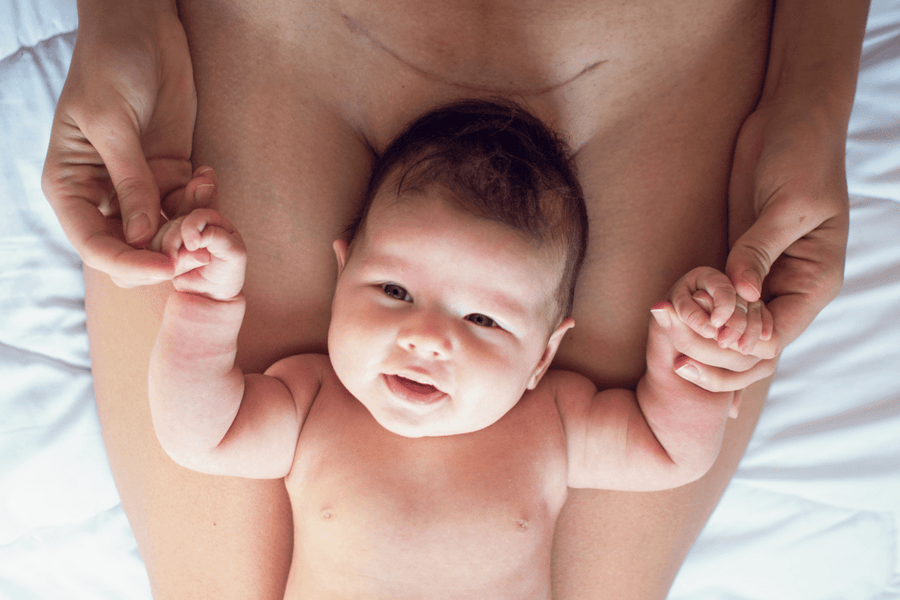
(549, 352)
(340, 251)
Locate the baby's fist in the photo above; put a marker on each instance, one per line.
(707, 302)
(210, 254)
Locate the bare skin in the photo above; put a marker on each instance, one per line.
(294, 99)
(464, 500)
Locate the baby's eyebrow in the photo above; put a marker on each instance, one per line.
(506, 305)
(494, 302)
(382, 260)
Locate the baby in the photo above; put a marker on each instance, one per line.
(429, 454)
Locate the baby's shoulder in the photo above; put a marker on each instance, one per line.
(547, 401)
(302, 362)
(303, 374)
(559, 384)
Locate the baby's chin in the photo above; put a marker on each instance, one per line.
(424, 426)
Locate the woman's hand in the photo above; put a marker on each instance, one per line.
(788, 185)
(120, 145)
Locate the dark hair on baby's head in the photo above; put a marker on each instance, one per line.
(499, 162)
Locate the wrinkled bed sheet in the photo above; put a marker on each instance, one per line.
(813, 512)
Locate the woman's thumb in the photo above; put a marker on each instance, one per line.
(136, 189)
(751, 257)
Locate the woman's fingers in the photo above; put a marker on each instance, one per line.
(717, 379)
(704, 350)
(200, 192)
(736, 325)
(751, 334)
(121, 137)
(703, 362)
(117, 141)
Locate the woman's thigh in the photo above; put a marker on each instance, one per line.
(289, 175)
(657, 188)
(199, 536)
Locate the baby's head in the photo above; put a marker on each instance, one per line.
(457, 276)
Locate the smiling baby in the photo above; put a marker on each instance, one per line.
(429, 454)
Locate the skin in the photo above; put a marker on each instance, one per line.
(477, 272)
(291, 101)
(402, 499)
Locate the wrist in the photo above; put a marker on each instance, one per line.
(203, 310)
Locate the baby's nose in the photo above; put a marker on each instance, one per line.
(426, 337)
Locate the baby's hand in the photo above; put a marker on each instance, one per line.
(714, 330)
(707, 302)
(209, 254)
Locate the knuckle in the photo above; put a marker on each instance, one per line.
(808, 205)
(132, 189)
(694, 321)
(759, 254)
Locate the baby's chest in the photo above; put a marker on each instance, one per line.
(368, 503)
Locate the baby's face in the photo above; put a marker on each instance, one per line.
(441, 320)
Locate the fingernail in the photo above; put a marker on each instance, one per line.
(137, 227)
(688, 372)
(710, 332)
(750, 278)
(203, 194)
(662, 317)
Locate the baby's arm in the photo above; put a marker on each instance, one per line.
(669, 431)
(208, 415)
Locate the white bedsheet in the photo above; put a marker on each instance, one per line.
(813, 512)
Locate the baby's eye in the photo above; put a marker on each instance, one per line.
(482, 320)
(395, 291)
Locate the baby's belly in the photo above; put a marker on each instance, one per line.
(415, 551)
(377, 515)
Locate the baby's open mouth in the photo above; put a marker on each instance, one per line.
(422, 388)
(413, 391)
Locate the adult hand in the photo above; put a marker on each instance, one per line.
(121, 138)
(788, 181)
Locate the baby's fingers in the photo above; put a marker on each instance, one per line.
(206, 228)
(759, 325)
(171, 239)
(735, 327)
(704, 299)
